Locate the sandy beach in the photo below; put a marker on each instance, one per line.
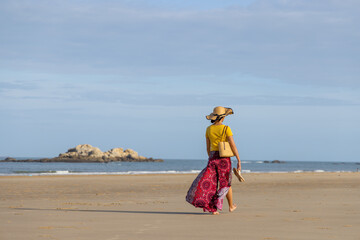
(270, 206)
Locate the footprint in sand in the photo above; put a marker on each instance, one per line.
(59, 227)
(46, 227)
(311, 219)
(147, 227)
(45, 236)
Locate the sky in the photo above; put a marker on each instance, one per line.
(144, 74)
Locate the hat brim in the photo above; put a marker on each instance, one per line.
(228, 111)
(212, 116)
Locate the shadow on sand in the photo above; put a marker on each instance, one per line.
(112, 211)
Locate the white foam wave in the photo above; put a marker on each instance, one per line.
(62, 172)
(66, 172)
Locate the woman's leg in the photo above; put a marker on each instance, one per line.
(232, 206)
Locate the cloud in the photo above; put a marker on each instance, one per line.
(58, 97)
(208, 99)
(88, 92)
(302, 42)
(15, 85)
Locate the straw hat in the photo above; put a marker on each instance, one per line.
(219, 112)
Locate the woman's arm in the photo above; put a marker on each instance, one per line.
(235, 151)
(208, 146)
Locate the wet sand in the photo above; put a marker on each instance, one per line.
(270, 206)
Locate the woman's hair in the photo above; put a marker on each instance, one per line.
(217, 119)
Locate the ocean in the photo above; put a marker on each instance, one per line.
(166, 167)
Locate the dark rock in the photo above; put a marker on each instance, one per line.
(277, 161)
(72, 150)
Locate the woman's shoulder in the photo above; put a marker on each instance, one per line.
(215, 126)
(228, 131)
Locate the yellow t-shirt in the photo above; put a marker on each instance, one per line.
(214, 132)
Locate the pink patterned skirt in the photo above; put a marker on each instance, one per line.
(211, 185)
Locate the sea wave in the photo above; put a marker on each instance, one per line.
(65, 172)
(250, 162)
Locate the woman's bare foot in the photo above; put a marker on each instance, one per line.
(215, 213)
(231, 209)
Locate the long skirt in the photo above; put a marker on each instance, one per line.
(211, 185)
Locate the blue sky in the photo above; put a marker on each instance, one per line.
(143, 75)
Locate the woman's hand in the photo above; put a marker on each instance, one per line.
(239, 166)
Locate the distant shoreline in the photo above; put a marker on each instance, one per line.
(23, 167)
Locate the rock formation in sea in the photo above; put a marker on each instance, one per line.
(88, 153)
(274, 161)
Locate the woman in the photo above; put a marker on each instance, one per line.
(214, 182)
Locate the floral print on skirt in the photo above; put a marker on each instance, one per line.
(211, 185)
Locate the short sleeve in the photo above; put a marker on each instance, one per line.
(207, 132)
(228, 132)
